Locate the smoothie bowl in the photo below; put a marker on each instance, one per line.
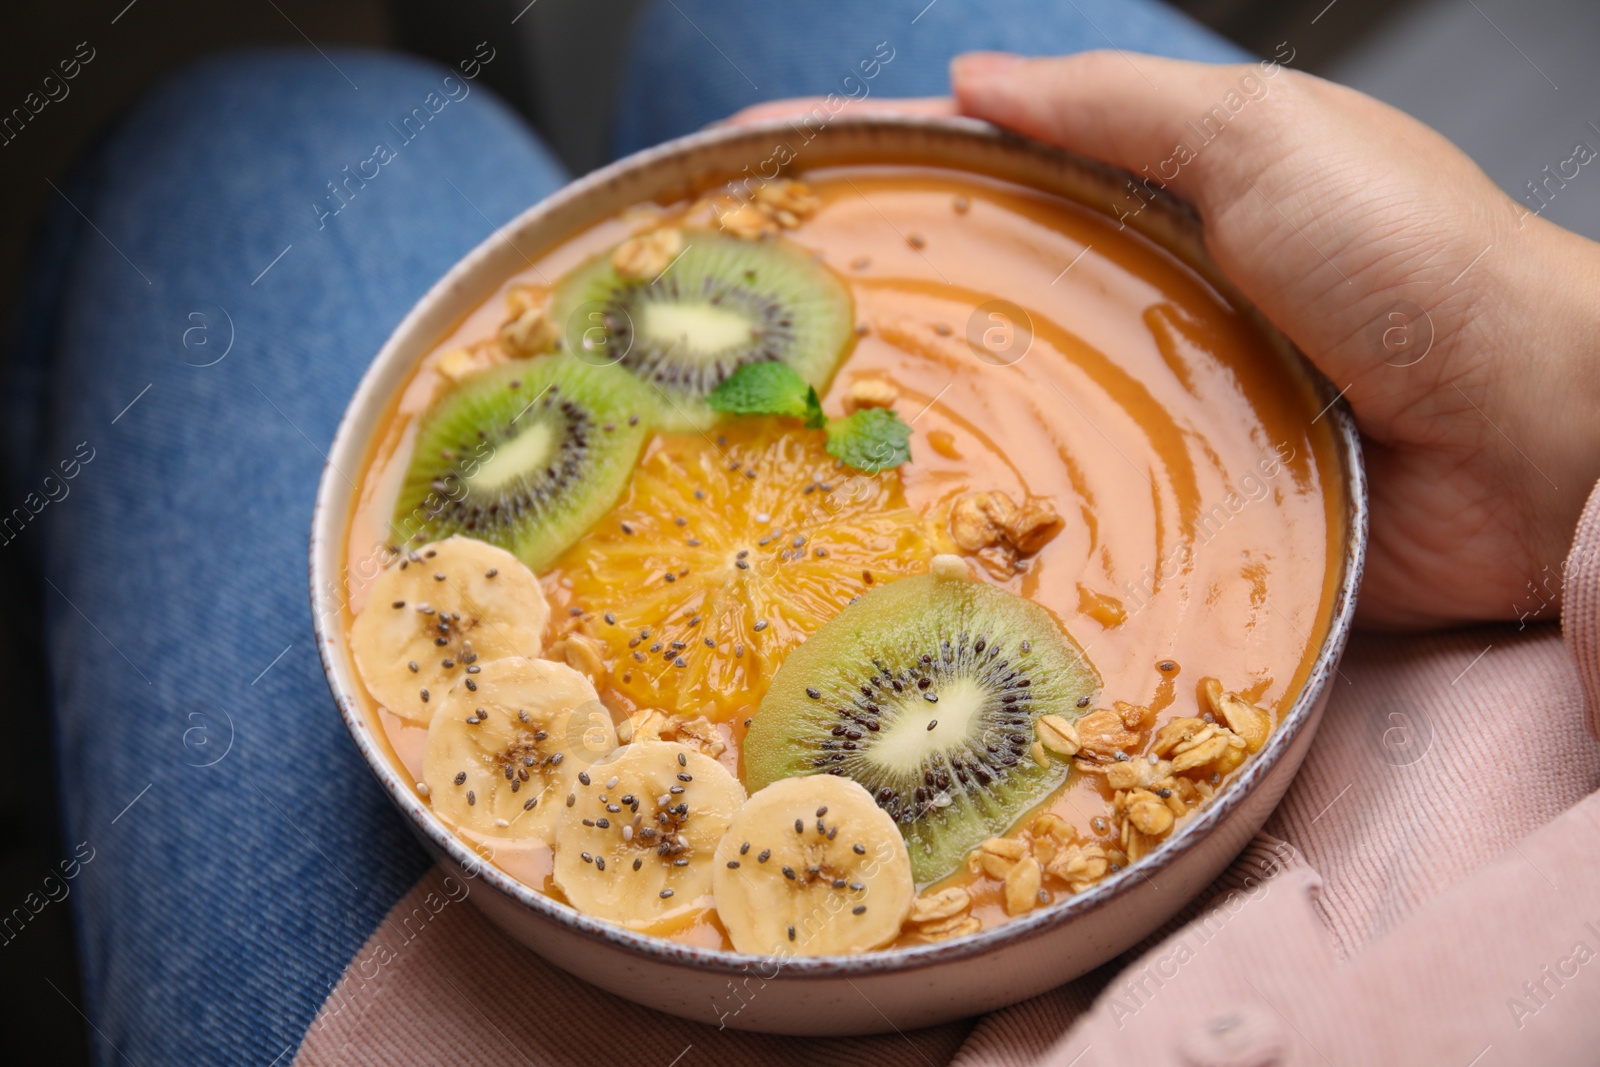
(884, 564)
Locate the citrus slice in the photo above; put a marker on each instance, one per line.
(727, 551)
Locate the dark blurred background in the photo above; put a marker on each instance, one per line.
(1513, 82)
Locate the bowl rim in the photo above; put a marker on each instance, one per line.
(329, 522)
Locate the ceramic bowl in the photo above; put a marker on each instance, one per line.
(905, 987)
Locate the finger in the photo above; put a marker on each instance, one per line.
(809, 106)
(1143, 113)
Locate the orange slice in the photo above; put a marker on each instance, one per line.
(724, 553)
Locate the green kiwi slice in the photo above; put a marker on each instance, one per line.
(722, 303)
(925, 691)
(527, 455)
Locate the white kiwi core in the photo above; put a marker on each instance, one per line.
(921, 729)
(530, 450)
(696, 331)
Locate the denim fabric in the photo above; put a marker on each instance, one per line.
(219, 908)
(200, 314)
(695, 61)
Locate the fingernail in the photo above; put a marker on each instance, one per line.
(982, 66)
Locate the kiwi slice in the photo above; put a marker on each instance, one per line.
(925, 692)
(527, 455)
(722, 303)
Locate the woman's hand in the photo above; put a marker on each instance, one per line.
(1462, 327)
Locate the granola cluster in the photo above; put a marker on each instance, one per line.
(943, 913)
(698, 733)
(644, 257)
(780, 204)
(529, 329)
(583, 654)
(999, 531)
(869, 393)
(526, 331)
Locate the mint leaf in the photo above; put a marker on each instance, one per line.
(764, 389)
(814, 417)
(871, 440)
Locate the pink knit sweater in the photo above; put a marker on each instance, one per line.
(1434, 898)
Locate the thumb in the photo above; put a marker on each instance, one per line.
(1145, 114)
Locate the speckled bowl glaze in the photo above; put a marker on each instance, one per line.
(900, 988)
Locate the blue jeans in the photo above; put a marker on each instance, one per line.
(209, 286)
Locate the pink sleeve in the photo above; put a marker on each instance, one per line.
(1580, 613)
(1502, 968)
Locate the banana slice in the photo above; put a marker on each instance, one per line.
(812, 866)
(442, 609)
(634, 840)
(500, 759)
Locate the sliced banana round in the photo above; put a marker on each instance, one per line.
(441, 610)
(811, 866)
(501, 757)
(636, 835)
